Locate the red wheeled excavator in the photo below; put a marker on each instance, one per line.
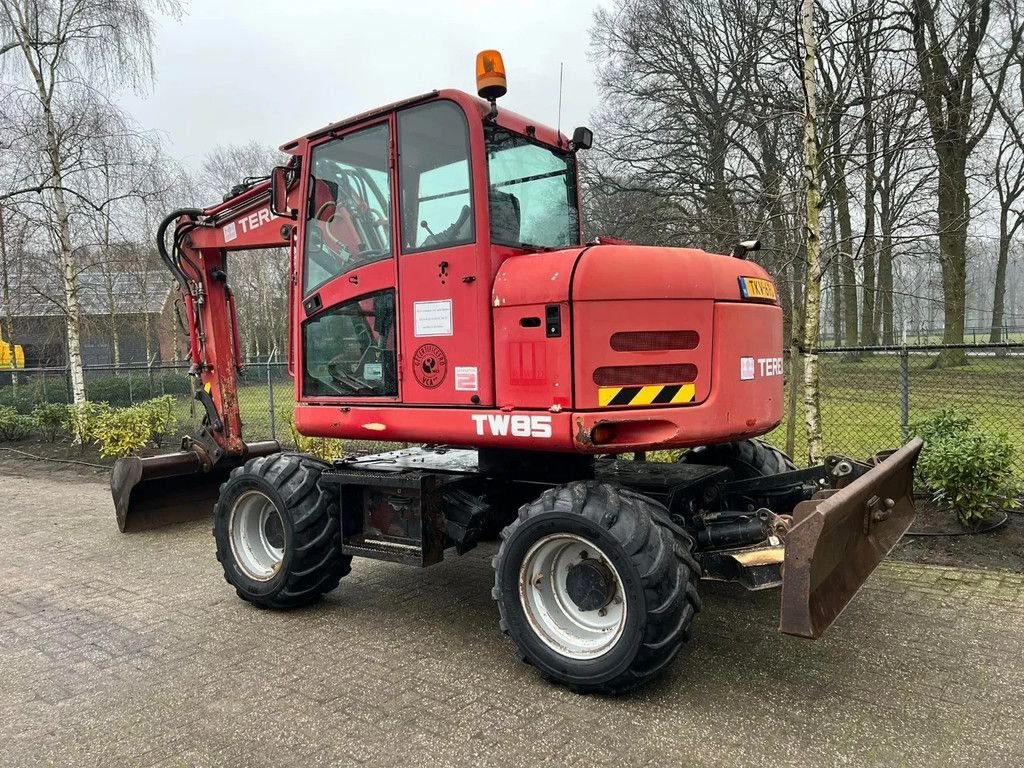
(441, 294)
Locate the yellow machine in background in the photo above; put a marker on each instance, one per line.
(5, 354)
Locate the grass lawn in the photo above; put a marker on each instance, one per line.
(860, 401)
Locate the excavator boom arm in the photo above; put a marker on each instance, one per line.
(147, 491)
(198, 259)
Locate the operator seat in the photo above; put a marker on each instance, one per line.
(505, 217)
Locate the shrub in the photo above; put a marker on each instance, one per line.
(31, 391)
(83, 420)
(946, 423)
(117, 390)
(967, 468)
(13, 425)
(160, 413)
(324, 448)
(123, 431)
(128, 388)
(50, 419)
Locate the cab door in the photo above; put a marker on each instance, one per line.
(444, 294)
(349, 330)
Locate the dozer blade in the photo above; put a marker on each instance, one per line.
(172, 488)
(839, 537)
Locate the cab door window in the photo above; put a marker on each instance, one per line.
(349, 206)
(433, 166)
(350, 349)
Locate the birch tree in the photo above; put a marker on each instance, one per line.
(812, 233)
(6, 296)
(70, 54)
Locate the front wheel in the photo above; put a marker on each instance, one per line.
(596, 586)
(278, 532)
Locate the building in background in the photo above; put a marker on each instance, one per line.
(138, 312)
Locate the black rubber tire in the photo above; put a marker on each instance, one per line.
(746, 458)
(313, 563)
(654, 559)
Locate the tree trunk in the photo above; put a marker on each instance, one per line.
(868, 334)
(812, 289)
(68, 275)
(849, 274)
(8, 307)
(885, 280)
(837, 289)
(115, 341)
(953, 219)
(63, 227)
(998, 299)
(147, 325)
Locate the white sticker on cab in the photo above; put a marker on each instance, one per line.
(432, 318)
(746, 368)
(467, 379)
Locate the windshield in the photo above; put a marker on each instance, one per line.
(349, 206)
(532, 192)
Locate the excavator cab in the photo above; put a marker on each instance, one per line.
(440, 293)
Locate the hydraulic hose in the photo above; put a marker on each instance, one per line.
(161, 246)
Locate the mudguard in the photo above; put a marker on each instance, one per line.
(839, 537)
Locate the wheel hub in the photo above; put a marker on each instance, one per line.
(589, 585)
(257, 535)
(572, 596)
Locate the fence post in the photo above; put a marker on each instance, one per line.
(152, 392)
(270, 396)
(905, 393)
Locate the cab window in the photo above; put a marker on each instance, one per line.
(349, 206)
(532, 192)
(350, 349)
(433, 165)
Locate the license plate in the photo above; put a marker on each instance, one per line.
(758, 289)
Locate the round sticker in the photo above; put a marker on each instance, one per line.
(430, 366)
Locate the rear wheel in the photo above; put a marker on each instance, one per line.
(278, 532)
(746, 458)
(596, 586)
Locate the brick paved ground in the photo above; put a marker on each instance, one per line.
(132, 650)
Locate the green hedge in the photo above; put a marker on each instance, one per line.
(115, 390)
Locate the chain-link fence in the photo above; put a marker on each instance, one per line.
(265, 392)
(871, 397)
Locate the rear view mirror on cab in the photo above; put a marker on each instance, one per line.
(279, 193)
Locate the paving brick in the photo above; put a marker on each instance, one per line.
(131, 650)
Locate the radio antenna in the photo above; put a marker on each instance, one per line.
(561, 66)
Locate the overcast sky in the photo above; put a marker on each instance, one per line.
(234, 70)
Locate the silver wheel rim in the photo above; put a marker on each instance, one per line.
(551, 612)
(257, 535)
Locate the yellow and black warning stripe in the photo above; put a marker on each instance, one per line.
(652, 394)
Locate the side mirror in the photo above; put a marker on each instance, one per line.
(582, 138)
(279, 193)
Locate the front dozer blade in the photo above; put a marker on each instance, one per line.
(839, 537)
(172, 488)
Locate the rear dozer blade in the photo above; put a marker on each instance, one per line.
(172, 488)
(839, 537)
